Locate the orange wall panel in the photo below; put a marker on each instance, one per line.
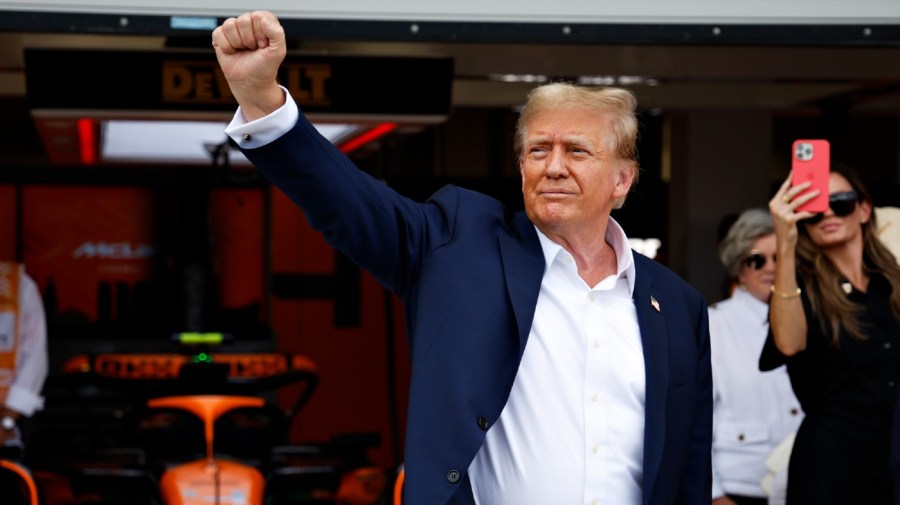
(80, 237)
(353, 394)
(238, 245)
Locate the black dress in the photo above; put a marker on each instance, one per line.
(841, 453)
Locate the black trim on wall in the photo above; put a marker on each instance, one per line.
(480, 32)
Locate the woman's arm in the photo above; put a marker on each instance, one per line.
(785, 308)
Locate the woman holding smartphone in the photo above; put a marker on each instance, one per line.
(835, 321)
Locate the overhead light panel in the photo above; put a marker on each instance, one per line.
(617, 80)
(183, 142)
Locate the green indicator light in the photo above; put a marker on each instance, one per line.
(193, 338)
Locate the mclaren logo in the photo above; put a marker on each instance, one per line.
(113, 250)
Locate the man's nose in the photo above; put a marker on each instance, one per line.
(556, 163)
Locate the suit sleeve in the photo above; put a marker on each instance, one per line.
(696, 482)
(383, 232)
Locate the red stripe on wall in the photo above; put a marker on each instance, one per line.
(87, 141)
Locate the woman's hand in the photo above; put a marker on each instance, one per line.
(783, 207)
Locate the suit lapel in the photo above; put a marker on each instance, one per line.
(523, 267)
(650, 309)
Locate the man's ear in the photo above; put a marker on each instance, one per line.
(626, 172)
(522, 172)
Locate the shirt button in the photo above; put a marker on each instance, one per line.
(887, 345)
(595, 502)
(596, 344)
(594, 397)
(482, 423)
(594, 449)
(891, 383)
(741, 437)
(591, 297)
(247, 137)
(453, 476)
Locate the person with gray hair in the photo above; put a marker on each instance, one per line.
(753, 412)
(750, 226)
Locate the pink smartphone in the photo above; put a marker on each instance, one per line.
(811, 161)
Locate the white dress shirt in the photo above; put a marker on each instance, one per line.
(753, 411)
(265, 129)
(24, 394)
(572, 430)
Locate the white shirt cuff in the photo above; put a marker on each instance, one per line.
(265, 129)
(717, 491)
(23, 401)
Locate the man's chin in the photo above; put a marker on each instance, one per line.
(550, 220)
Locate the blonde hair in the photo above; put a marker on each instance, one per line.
(616, 104)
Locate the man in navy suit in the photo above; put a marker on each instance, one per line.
(550, 364)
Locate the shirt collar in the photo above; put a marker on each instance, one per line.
(615, 236)
(758, 308)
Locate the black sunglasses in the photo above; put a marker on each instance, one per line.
(756, 260)
(842, 204)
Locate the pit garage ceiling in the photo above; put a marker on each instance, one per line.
(687, 67)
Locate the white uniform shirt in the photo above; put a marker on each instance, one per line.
(24, 393)
(572, 430)
(753, 411)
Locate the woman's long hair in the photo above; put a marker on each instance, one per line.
(823, 280)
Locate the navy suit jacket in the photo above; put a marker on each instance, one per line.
(469, 277)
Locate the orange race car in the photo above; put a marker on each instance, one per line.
(200, 430)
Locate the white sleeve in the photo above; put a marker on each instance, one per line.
(265, 129)
(24, 394)
(714, 329)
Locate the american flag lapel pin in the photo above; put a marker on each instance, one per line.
(654, 303)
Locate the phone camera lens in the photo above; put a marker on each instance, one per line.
(804, 152)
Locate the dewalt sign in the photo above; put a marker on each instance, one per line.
(135, 83)
(186, 82)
